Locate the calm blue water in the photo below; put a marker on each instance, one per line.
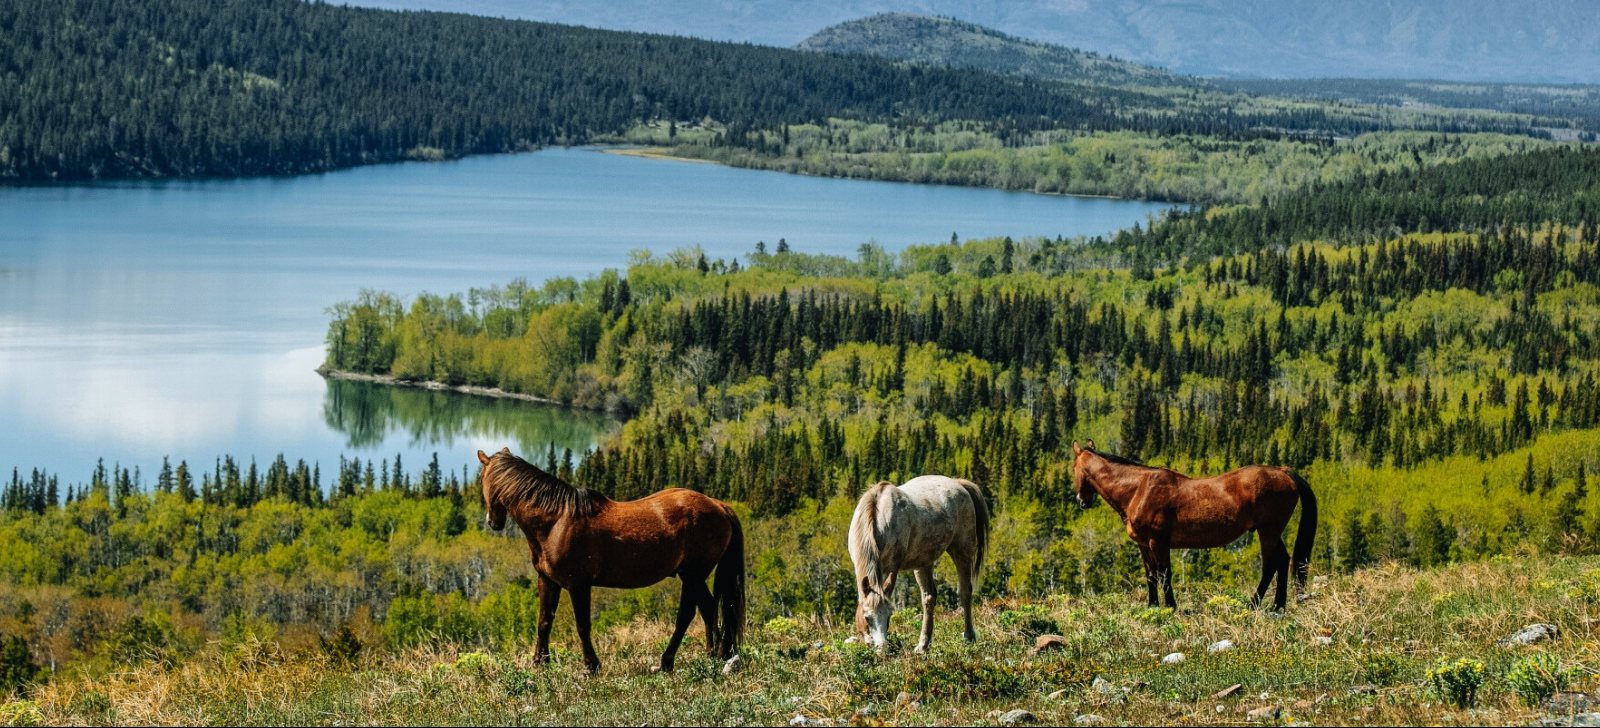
(184, 318)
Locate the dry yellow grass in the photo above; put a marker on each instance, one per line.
(1382, 627)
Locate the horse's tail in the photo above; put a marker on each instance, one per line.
(1307, 535)
(981, 506)
(727, 589)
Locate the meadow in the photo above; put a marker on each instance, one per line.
(1328, 660)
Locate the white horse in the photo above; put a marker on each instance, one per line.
(910, 527)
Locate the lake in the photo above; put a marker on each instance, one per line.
(185, 318)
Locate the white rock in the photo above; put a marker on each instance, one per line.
(801, 720)
(1173, 659)
(1101, 686)
(1532, 633)
(1018, 717)
(1222, 646)
(1323, 640)
(1090, 719)
(733, 665)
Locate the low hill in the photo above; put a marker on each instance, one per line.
(949, 42)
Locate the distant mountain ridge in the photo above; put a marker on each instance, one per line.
(950, 42)
(1546, 41)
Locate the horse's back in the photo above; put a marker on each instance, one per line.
(651, 538)
(930, 515)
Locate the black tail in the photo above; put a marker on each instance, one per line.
(727, 588)
(1307, 535)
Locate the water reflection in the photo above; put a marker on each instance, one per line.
(369, 415)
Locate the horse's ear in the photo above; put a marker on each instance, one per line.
(1075, 449)
(482, 458)
(506, 450)
(1091, 444)
(866, 585)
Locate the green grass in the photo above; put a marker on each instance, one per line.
(1385, 627)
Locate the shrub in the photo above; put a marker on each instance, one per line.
(1154, 615)
(518, 682)
(16, 664)
(1382, 668)
(21, 713)
(474, 663)
(1029, 621)
(864, 673)
(1458, 682)
(782, 626)
(1537, 677)
(139, 639)
(344, 649)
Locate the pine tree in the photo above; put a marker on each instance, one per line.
(1356, 549)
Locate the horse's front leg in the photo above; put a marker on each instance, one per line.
(1163, 563)
(925, 585)
(549, 599)
(1149, 558)
(580, 612)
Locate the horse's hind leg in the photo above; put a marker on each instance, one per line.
(929, 596)
(686, 606)
(708, 613)
(964, 592)
(1274, 559)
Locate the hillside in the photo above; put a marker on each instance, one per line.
(125, 88)
(1545, 41)
(1420, 344)
(948, 42)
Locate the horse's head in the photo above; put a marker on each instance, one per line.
(1086, 492)
(494, 512)
(873, 610)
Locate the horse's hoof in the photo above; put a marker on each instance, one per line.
(658, 668)
(921, 649)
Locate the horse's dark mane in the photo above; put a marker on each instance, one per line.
(515, 477)
(1118, 459)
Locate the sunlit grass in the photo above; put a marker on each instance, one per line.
(1383, 627)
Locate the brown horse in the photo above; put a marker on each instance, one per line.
(1164, 510)
(579, 540)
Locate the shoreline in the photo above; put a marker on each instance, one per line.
(662, 153)
(491, 392)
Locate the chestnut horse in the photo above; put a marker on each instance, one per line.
(1164, 510)
(579, 539)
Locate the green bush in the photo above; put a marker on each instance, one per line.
(518, 682)
(1029, 621)
(21, 713)
(1537, 677)
(1458, 682)
(1382, 668)
(344, 649)
(16, 664)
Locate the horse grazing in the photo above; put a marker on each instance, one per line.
(579, 540)
(910, 527)
(1164, 510)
